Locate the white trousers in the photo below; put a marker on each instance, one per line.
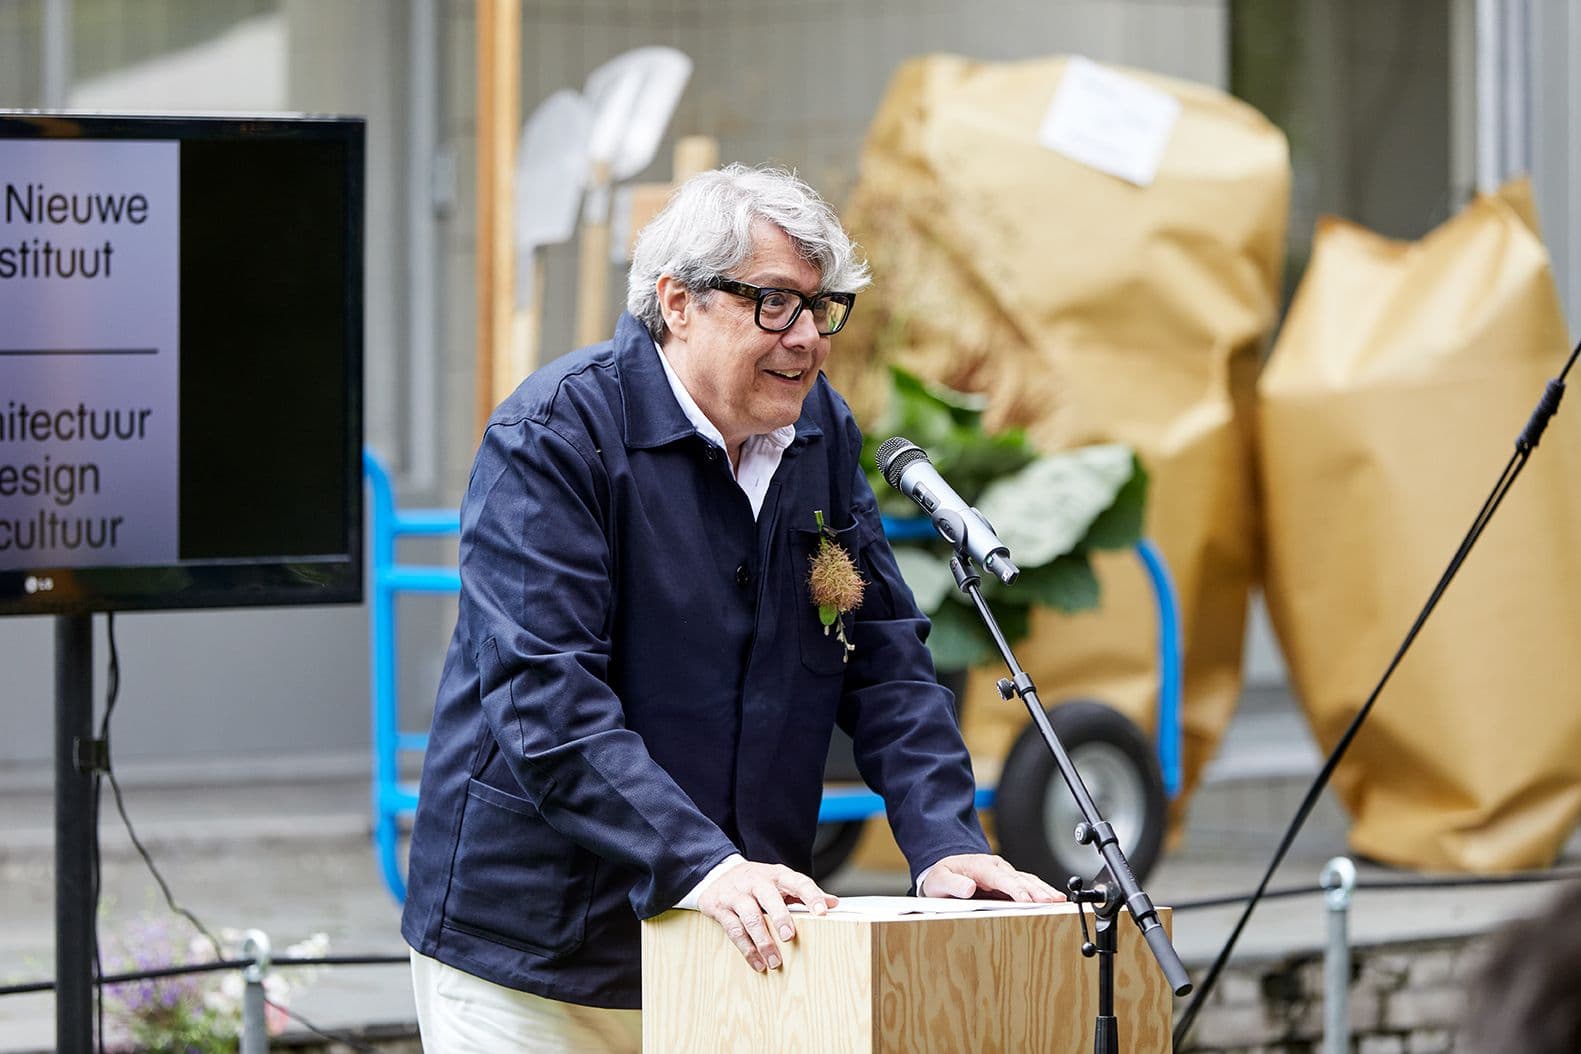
(458, 1013)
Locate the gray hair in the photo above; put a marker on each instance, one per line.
(705, 232)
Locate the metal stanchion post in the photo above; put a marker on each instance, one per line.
(76, 758)
(1339, 878)
(255, 1028)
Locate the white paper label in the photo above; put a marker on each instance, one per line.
(90, 311)
(1109, 121)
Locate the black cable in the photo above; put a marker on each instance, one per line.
(108, 771)
(111, 692)
(1524, 445)
(164, 887)
(1309, 801)
(120, 801)
(343, 960)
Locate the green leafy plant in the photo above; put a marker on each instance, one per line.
(1052, 511)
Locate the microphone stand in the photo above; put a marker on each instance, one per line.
(1122, 890)
(1105, 908)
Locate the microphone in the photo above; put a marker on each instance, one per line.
(906, 468)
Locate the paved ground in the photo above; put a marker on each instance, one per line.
(292, 858)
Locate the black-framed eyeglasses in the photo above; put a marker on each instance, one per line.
(778, 309)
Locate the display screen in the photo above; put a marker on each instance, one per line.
(180, 362)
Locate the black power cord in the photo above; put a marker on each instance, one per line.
(112, 692)
(107, 772)
(1525, 443)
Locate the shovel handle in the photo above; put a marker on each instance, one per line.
(592, 292)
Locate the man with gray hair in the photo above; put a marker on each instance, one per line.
(674, 585)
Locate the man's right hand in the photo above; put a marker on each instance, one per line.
(749, 902)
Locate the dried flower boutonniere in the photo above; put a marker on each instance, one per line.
(835, 584)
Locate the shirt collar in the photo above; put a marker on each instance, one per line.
(780, 437)
(652, 420)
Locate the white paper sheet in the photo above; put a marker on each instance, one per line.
(1112, 122)
(901, 907)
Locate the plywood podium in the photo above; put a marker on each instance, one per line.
(1010, 981)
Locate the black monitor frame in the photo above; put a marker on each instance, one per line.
(223, 581)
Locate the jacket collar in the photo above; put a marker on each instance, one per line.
(653, 417)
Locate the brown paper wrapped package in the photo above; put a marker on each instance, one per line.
(1088, 309)
(1401, 378)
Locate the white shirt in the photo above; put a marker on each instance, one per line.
(760, 454)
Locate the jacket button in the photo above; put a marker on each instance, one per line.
(743, 575)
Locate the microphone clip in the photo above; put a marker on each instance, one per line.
(951, 526)
(966, 576)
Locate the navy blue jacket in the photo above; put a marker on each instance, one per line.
(639, 685)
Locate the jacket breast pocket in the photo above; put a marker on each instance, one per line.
(821, 649)
(516, 880)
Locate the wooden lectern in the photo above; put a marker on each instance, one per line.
(1010, 981)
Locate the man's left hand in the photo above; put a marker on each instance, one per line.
(965, 875)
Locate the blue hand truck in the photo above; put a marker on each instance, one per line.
(1128, 787)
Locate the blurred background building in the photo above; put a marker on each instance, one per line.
(1379, 99)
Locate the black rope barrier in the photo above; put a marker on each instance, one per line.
(1391, 884)
(177, 970)
(1199, 904)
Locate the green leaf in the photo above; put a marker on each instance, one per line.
(966, 408)
(1120, 525)
(948, 425)
(1068, 584)
(917, 412)
(1050, 511)
(1012, 612)
(827, 613)
(926, 573)
(1045, 509)
(958, 639)
(972, 461)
